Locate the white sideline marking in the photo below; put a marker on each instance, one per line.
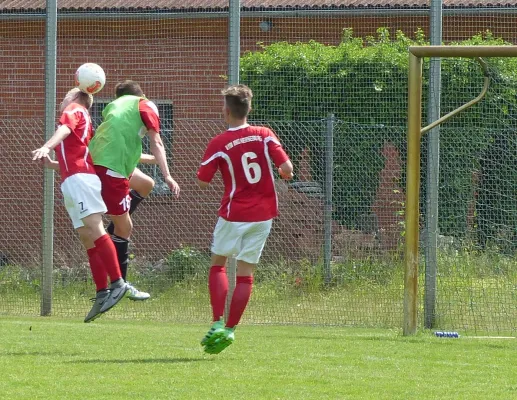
(489, 337)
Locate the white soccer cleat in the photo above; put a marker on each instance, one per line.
(134, 294)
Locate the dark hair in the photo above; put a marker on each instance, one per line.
(128, 87)
(238, 100)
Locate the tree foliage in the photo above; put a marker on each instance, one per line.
(363, 83)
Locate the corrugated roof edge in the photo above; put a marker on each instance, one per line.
(266, 8)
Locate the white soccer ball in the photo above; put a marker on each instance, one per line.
(90, 78)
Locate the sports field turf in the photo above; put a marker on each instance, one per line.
(51, 358)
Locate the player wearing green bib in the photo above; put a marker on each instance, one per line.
(117, 144)
(116, 149)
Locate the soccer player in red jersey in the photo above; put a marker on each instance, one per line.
(243, 154)
(81, 189)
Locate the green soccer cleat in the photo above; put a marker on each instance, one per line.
(215, 331)
(221, 342)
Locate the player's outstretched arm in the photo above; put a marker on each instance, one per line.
(158, 151)
(51, 164)
(286, 170)
(148, 159)
(59, 135)
(202, 184)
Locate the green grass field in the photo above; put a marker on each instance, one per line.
(50, 358)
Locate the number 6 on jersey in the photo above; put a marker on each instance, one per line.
(251, 166)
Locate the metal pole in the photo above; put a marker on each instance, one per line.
(234, 41)
(463, 51)
(412, 195)
(329, 169)
(48, 180)
(234, 53)
(433, 169)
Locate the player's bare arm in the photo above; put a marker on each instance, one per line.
(202, 184)
(59, 135)
(147, 159)
(286, 170)
(158, 151)
(51, 164)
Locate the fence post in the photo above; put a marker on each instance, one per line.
(231, 268)
(327, 211)
(47, 240)
(433, 168)
(234, 41)
(234, 52)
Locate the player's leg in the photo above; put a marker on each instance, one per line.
(103, 245)
(225, 243)
(123, 227)
(254, 236)
(218, 291)
(224, 337)
(115, 192)
(122, 230)
(242, 292)
(82, 194)
(115, 195)
(140, 186)
(218, 286)
(106, 254)
(99, 275)
(104, 264)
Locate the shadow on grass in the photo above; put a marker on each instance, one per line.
(142, 361)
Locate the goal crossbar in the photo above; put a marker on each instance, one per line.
(414, 135)
(463, 51)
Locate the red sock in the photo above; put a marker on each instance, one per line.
(108, 254)
(218, 288)
(240, 298)
(99, 274)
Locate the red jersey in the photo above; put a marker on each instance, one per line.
(149, 114)
(243, 155)
(72, 153)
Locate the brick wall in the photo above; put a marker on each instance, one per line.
(178, 60)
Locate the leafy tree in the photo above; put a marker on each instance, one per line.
(363, 82)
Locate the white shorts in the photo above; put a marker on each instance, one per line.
(242, 240)
(82, 196)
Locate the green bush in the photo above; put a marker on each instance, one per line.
(186, 263)
(363, 82)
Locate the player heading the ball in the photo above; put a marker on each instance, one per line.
(81, 189)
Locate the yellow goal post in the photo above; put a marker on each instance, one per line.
(414, 135)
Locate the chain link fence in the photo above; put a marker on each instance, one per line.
(332, 83)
